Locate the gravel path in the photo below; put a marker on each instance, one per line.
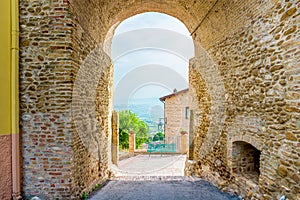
(164, 190)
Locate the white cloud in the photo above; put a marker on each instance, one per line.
(172, 51)
(152, 20)
(136, 59)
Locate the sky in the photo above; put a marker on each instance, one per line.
(152, 20)
(150, 52)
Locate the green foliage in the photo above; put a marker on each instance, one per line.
(97, 186)
(123, 139)
(129, 121)
(84, 195)
(150, 139)
(158, 137)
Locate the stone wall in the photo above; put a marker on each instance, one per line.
(259, 65)
(200, 108)
(65, 82)
(45, 96)
(175, 113)
(115, 138)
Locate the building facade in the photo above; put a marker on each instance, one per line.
(177, 115)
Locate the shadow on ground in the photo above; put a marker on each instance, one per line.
(165, 190)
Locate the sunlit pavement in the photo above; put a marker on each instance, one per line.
(153, 165)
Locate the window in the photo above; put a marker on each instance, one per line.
(187, 112)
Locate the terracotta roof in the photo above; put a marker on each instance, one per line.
(162, 99)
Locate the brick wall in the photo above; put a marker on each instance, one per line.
(91, 111)
(258, 66)
(45, 96)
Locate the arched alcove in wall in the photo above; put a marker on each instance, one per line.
(245, 160)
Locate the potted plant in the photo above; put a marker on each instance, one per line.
(183, 131)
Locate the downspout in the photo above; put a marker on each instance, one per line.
(16, 167)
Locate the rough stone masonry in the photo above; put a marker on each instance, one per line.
(244, 85)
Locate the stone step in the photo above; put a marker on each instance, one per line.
(155, 178)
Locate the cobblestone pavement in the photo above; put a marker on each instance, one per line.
(160, 190)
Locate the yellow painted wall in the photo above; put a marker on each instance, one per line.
(5, 67)
(8, 67)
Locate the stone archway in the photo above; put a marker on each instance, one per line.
(244, 46)
(106, 77)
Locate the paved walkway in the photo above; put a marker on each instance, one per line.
(157, 177)
(160, 190)
(153, 165)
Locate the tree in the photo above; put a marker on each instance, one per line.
(129, 121)
(158, 137)
(123, 139)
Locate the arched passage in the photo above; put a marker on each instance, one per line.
(200, 91)
(203, 90)
(153, 50)
(96, 103)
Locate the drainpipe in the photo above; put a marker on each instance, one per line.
(16, 167)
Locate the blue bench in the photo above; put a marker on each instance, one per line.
(161, 148)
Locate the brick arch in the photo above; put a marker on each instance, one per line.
(204, 89)
(250, 140)
(172, 9)
(117, 11)
(202, 67)
(91, 21)
(100, 98)
(197, 68)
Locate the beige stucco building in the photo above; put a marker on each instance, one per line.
(177, 111)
